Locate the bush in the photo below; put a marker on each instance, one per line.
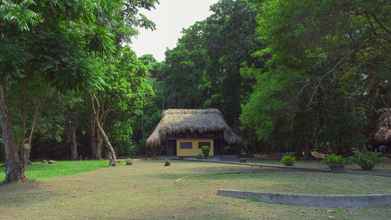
(366, 160)
(288, 160)
(167, 164)
(205, 151)
(335, 162)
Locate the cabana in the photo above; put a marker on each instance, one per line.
(182, 132)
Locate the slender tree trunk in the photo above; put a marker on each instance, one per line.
(28, 144)
(14, 166)
(113, 157)
(99, 146)
(34, 124)
(74, 147)
(96, 141)
(93, 140)
(70, 134)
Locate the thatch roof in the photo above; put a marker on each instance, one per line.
(176, 121)
(383, 132)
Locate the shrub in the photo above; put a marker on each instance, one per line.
(366, 160)
(335, 162)
(167, 164)
(205, 151)
(288, 160)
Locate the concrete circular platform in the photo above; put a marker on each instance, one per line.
(310, 200)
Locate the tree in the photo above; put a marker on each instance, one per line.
(204, 70)
(231, 41)
(327, 70)
(15, 19)
(55, 41)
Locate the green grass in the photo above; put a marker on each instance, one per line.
(385, 166)
(185, 190)
(41, 171)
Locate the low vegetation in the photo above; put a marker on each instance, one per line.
(335, 162)
(288, 160)
(366, 160)
(205, 151)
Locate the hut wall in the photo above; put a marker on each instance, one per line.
(191, 147)
(172, 144)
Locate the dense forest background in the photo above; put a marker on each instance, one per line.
(287, 75)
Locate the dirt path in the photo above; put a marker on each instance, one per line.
(148, 190)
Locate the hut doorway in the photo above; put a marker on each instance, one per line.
(171, 147)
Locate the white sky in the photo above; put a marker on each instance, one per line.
(170, 17)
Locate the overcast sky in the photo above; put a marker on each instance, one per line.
(170, 17)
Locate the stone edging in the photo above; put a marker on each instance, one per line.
(309, 200)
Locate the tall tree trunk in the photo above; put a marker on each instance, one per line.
(113, 157)
(93, 140)
(70, 135)
(34, 124)
(96, 141)
(28, 144)
(74, 150)
(99, 146)
(95, 107)
(14, 166)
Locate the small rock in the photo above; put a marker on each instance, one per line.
(51, 162)
(167, 164)
(45, 161)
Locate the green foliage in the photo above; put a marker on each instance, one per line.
(330, 58)
(366, 160)
(205, 151)
(288, 160)
(19, 14)
(334, 160)
(58, 53)
(292, 74)
(204, 69)
(256, 114)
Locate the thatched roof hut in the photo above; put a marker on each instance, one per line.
(383, 132)
(179, 121)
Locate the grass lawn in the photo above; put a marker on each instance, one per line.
(41, 171)
(385, 166)
(185, 190)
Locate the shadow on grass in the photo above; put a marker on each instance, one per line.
(20, 194)
(222, 173)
